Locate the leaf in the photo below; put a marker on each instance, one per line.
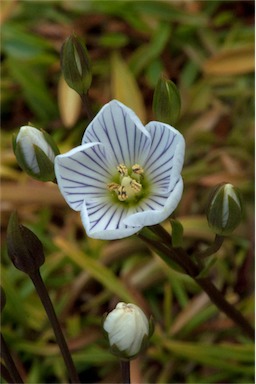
(125, 88)
(231, 61)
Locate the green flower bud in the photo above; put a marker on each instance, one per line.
(75, 65)
(24, 248)
(35, 152)
(225, 209)
(166, 101)
(128, 330)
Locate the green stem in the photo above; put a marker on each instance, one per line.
(182, 259)
(213, 248)
(87, 105)
(125, 371)
(10, 365)
(46, 301)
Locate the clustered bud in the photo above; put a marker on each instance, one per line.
(225, 209)
(24, 248)
(128, 330)
(35, 152)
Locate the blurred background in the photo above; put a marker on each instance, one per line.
(207, 49)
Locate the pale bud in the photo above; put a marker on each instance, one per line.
(128, 330)
(225, 209)
(35, 152)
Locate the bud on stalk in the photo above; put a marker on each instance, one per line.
(35, 152)
(75, 65)
(24, 248)
(166, 101)
(224, 212)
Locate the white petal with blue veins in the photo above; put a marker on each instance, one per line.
(83, 173)
(121, 130)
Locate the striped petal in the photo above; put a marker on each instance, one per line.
(83, 173)
(156, 208)
(121, 130)
(165, 159)
(104, 220)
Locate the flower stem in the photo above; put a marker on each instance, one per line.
(10, 365)
(87, 105)
(180, 257)
(125, 371)
(46, 301)
(213, 248)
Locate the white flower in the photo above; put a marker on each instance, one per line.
(35, 152)
(124, 176)
(127, 328)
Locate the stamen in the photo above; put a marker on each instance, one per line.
(129, 186)
(121, 193)
(136, 168)
(113, 186)
(135, 186)
(122, 169)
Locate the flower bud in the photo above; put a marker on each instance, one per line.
(24, 248)
(225, 209)
(75, 65)
(35, 152)
(128, 330)
(166, 101)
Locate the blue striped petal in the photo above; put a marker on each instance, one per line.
(104, 220)
(166, 155)
(156, 208)
(83, 173)
(121, 130)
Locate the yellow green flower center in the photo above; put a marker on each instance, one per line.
(130, 185)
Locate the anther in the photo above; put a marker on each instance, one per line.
(136, 168)
(135, 185)
(122, 169)
(121, 193)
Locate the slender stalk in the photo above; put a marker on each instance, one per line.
(213, 248)
(10, 365)
(46, 301)
(87, 105)
(5, 374)
(218, 299)
(125, 371)
(182, 259)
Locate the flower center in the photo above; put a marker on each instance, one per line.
(129, 187)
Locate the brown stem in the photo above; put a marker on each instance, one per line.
(87, 105)
(182, 259)
(46, 301)
(10, 365)
(125, 371)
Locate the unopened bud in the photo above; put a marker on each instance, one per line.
(224, 212)
(128, 330)
(24, 248)
(35, 152)
(166, 101)
(75, 65)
